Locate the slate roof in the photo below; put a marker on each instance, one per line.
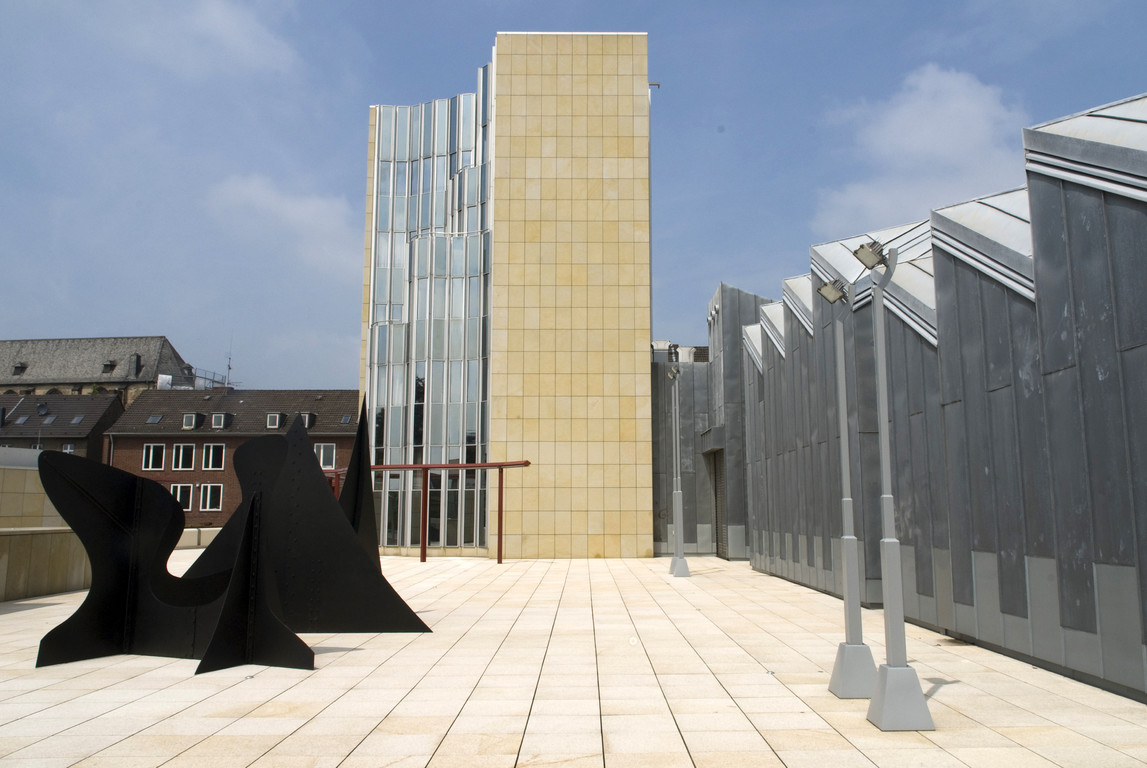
(335, 411)
(61, 414)
(84, 361)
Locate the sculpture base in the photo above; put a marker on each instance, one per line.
(678, 567)
(854, 673)
(898, 702)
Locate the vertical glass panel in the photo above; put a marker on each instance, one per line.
(379, 433)
(473, 380)
(419, 338)
(398, 346)
(438, 339)
(397, 385)
(413, 527)
(467, 122)
(440, 174)
(381, 285)
(427, 173)
(427, 129)
(384, 170)
(454, 425)
(474, 254)
(439, 211)
(475, 298)
(383, 213)
(401, 133)
(456, 382)
(457, 256)
(381, 378)
(386, 137)
(419, 403)
(439, 302)
(424, 220)
(399, 213)
(482, 517)
(395, 438)
(458, 297)
(398, 249)
(473, 347)
(452, 509)
(400, 179)
(457, 351)
(415, 131)
(380, 343)
(422, 259)
(394, 508)
(437, 412)
(397, 285)
(396, 313)
(438, 381)
(441, 125)
(440, 255)
(468, 518)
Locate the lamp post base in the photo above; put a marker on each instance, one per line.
(898, 702)
(678, 567)
(854, 673)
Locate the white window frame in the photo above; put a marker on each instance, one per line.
(205, 491)
(68, 448)
(178, 459)
(308, 420)
(274, 420)
(190, 491)
(149, 451)
(320, 449)
(218, 420)
(209, 449)
(189, 420)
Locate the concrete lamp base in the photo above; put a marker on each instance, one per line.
(679, 567)
(854, 673)
(898, 702)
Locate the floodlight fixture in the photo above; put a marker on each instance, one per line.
(674, 372)
(834, 291)
(870, 254)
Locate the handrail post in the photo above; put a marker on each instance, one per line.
(425, 514)
(500, 515)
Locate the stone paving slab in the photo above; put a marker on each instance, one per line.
(604, 663)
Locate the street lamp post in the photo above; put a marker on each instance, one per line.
(854, 673)
(898, 702)
(678, 566)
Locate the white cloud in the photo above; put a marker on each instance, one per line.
(314, 230)
(200, 38)
(943, 138)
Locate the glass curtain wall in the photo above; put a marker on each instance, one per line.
(430, 316)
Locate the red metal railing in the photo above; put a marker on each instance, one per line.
(424, 513)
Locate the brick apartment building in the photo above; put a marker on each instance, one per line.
(185, 440)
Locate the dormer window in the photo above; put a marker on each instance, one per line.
(308, 420)
(109, 366)
(274, 420)
(19, 368)
(218, 420)
(190, 420)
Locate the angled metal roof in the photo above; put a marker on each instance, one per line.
(56, 417)
(1104, 148)
(834, 261)
(993, 235)
(797, 293)
(753, 338)
(773, 323)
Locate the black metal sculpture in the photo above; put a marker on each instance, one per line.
(357, 495)
(288, 561)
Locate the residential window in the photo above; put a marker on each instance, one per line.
(326, 455)
(346, 419)
(189, 420)
(213, 455)
(68, 448)
(273, 420)
(218, 420)
(21, 420)
(77, 419)
(183, 456)
(49, 419)
(210, 497)
(154, 418)
(153, 456)
(308, 419)
(183, 493)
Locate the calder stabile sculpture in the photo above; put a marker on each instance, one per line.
(288, 561)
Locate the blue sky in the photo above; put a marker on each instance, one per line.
(198, 169)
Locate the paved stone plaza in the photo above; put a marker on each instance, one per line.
(569, 662)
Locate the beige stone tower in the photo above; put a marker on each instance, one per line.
(570, 306)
